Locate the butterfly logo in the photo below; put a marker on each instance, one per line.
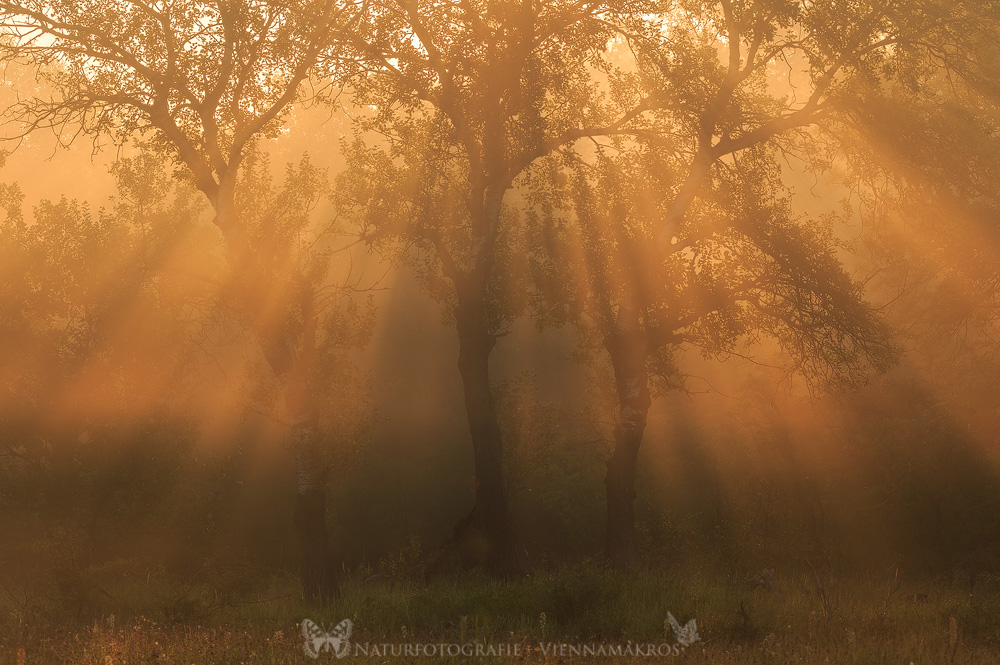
(318, 640)
(686, 635)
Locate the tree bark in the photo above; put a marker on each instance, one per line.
(628, 349)
(505, 555)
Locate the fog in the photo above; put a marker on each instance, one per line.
(701, 290)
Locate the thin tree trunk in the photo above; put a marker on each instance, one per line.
(317, 572)
(505, 555)
(628, 349)
(316, 568)
(291, 362)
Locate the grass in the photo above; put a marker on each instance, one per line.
(861, 620)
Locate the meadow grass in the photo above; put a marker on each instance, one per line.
(853, 620)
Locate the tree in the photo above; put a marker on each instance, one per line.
(686, 224)
(76, 290)
(925, 167)
(203, 81)
(467, 96)
(755, 270)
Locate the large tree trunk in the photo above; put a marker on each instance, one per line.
(504, 554)
(628, 349)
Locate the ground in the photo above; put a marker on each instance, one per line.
(803, 618)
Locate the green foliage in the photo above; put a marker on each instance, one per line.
(75, 279)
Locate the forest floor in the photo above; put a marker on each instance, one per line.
(570, 616)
